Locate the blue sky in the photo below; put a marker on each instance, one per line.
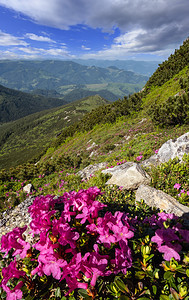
(100, 29)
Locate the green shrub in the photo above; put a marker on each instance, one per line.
(175, 110)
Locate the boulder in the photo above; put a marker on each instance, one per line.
(169, 150)
(160, 200)
(28, 188)
(128, 175)
(174, 148)
(90, 170)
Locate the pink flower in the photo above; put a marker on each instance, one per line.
(95, 265)
(50, 264)
(8, 273)
(177, 186)
(139, 157)
(164, 239)
(14, 240)
(15, 293)
(170, 251)
(123, 259)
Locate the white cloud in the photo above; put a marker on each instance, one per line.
(39, 38)
(10, 40)
(85, 48)
(148, 26)
(128, 45)
(59, 53)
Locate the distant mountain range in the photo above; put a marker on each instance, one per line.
(146, 68)
(59, 78)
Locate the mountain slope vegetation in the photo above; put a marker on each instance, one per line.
(25, 138)
(151, 103)
(15, 104)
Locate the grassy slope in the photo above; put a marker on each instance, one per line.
(27, 137)
(163, 92)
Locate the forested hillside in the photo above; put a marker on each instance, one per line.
(175, 63)
(15, 104)
(25, 138)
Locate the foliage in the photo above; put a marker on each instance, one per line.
(103, 114)
(85, 252)
(20, 140)
(173, 111)
(175, 63)
(167, 175)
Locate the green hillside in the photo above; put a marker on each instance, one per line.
(25, 138)
(15, 104)
(30, 75)
(169, 68)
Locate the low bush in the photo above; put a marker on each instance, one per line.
(84, 251)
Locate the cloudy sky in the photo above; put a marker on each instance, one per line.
(100, 29)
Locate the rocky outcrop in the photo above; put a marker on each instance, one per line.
(169, 150)
(18, 217)
(90, 170)
(128, 175)
(174, 148)
(160, 200)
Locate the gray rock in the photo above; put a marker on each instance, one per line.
(174, 148)
(160, 200)
(169, 150)
(128, 175)
(28, 188)
(152, 161)
(90, 170)
(92, 146)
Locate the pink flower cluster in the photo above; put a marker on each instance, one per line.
(72, 241)
(169, 239)
(178, 186)
(138, 158)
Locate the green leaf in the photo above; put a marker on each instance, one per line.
(154, 288)
(174, 294)
(58, 292)
(164, 297)
(140, 274)
(120, 284)
(83, 293)
(149, 257)
(168, 275)
(123, 297)
(187, 272)
(3, 295)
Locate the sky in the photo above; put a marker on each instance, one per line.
(97, 29)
